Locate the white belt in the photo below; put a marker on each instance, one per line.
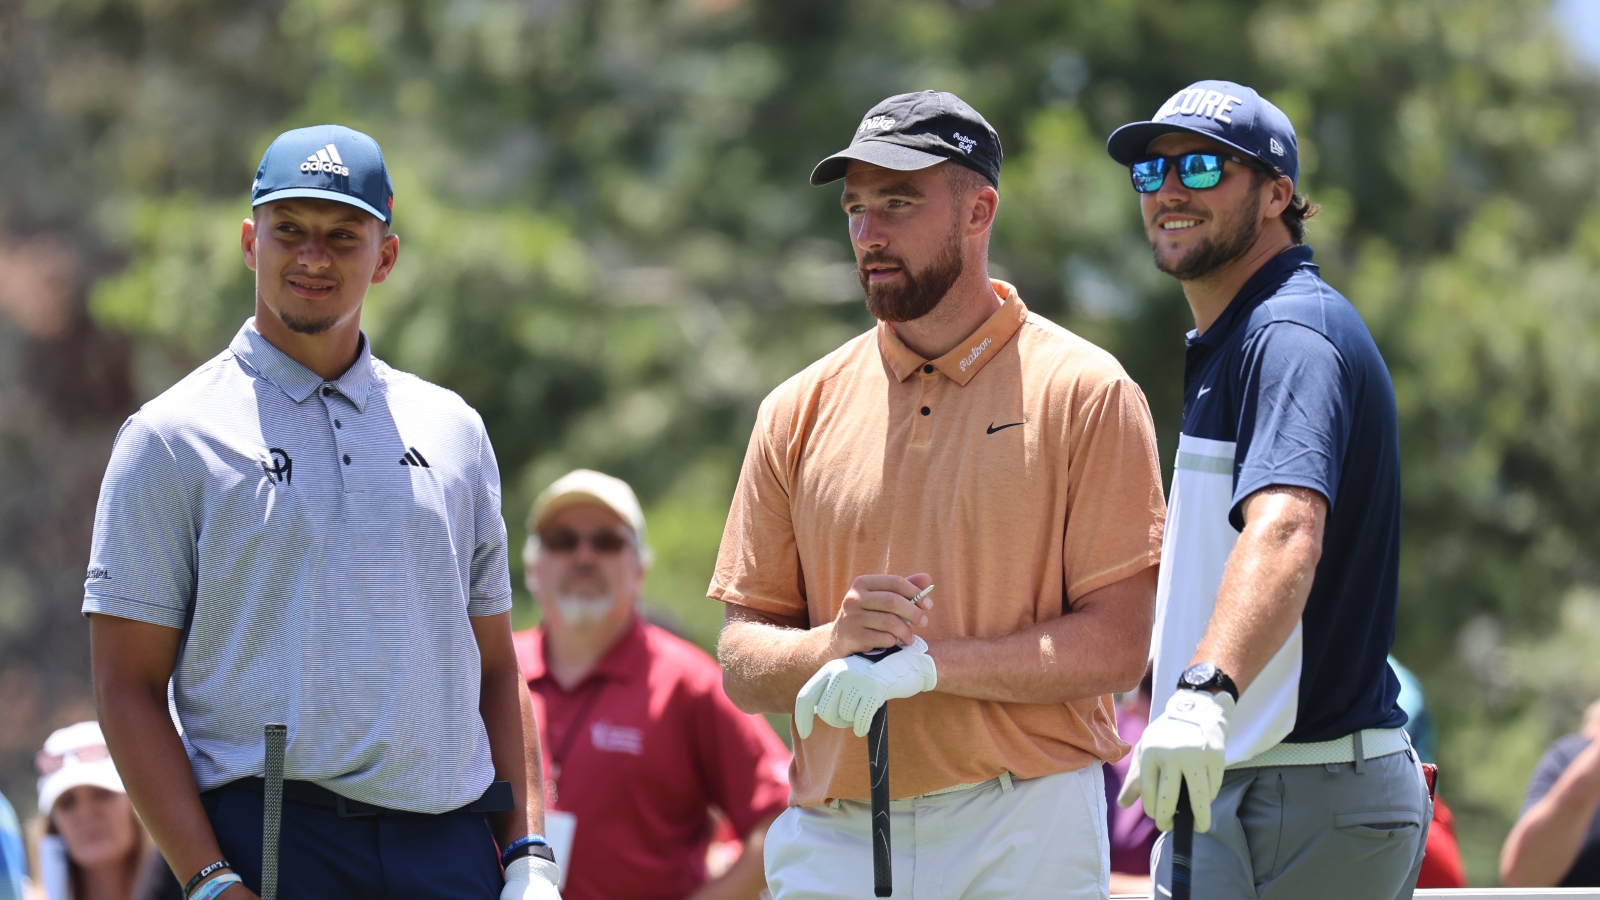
(1004, 780)
(1363, 745)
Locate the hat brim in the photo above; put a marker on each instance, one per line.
(1131, 143)
(878, 153)
(318, 194)
(100, 774)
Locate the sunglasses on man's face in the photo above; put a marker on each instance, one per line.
(50, 763)
(566, 540)
(1196, 171)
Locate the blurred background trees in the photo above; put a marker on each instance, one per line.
(610, 248)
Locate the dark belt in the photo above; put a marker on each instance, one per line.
(498, 798)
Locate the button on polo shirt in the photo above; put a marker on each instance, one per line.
(1019, 470)
(324, 579)
(646, 744)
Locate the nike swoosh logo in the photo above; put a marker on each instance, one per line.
(993, 429)
(1203, 392)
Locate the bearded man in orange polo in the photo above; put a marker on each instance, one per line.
(967, 442)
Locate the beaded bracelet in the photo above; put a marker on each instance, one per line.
(213, 889)
(519, 843)
(200, 876)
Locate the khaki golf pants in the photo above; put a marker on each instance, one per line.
(1003, 839)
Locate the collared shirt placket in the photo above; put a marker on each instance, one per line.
(926, 407)
(336, 409)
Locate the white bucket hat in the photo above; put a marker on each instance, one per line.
(73, 757)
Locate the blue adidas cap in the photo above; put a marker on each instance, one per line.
(1226, 112)
(330, 162)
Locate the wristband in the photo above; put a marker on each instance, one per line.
(526, 840)
(542, 851)
(200, 876)
(213, 889)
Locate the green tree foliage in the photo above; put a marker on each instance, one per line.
(610, 248)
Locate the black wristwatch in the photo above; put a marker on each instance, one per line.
(1207, 677)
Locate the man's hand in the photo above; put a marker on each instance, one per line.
(847, 692)
(877, 613)
(531, 878)
(1186, 741)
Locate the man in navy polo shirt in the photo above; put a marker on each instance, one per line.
(297, 533)
(1277, 596)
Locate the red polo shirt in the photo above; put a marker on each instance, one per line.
(640, 752)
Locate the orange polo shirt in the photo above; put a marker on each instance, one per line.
(1019, 470)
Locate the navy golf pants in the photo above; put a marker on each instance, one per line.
(324, 856)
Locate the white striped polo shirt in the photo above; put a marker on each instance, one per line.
(323, 545)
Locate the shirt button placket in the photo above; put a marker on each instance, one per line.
(330, 406)
(922, 413)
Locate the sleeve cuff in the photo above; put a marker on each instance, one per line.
(761, 604)
(489, 606)
(137, 610)
(1107, 577)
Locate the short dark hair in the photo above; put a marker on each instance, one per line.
(1294, 216)
(963, 179)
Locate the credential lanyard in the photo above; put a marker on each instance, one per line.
(559, 756)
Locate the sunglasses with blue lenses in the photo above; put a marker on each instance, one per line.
(1196, 171)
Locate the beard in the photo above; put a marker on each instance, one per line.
(577, 609)
(921, 292)
(1236, 233)
(308, 324)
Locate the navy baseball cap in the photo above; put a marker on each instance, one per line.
(908, 132)
(1226, 112)
(329, 162)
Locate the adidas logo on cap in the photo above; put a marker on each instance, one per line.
(325, 160)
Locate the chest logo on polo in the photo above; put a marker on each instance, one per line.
(413, 458)
(617, 738)
(279, 466)
(993, 429)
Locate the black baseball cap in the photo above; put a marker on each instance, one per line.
(328, 162)
(1226, 112)
(908, 132)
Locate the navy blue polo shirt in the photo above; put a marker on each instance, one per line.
(1287, 388)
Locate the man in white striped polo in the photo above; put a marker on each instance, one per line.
(298, 533)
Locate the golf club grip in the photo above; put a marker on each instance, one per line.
(272, 810)
(878, 772)
(1182, 845)
(878, 776)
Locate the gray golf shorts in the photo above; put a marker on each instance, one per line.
(1319, 832)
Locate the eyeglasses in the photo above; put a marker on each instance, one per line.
(51, 763)
(565, 540)
(1196, 171)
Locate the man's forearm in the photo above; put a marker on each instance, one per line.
(764, 665)
(1099, 648)
(747, 877)
(1266, 582)
(507, 713)
(1545, 842)
(155, 771)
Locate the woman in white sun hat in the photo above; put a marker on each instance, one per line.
(93, 846)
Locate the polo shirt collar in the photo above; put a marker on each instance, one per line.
(960, 365)
(295, 380)
(1263, 284)
(628, 657)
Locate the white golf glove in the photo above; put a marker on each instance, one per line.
(846, 693)
(531, 878)
(1186, 740)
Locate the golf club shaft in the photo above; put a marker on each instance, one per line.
(1182, 845)
(272, 810)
